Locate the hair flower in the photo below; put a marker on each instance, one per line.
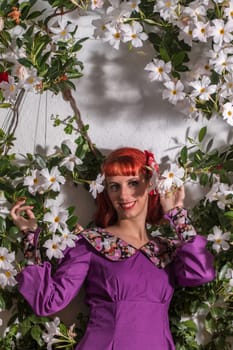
(153, 168)
(151, 163)
(97, 186)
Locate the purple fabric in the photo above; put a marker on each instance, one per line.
(128, 299)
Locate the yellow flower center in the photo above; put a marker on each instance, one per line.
(8, 274)
(171, 175)
(202, 30)
(202, 90)
(56, 219)
(117, 35)
(134, 36)
(174, 92)
(35, 181)
(229, 113)
(2, 258)
(160, 70)
(12, 88)
(218, 240)
(222, 31)
(54, 246)
(63, 32)
(52, 179)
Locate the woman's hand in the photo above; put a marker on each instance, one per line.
(27, 223)
(173, 198)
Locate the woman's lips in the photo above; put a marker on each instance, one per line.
(127, 205)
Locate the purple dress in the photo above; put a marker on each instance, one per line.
(128, 289)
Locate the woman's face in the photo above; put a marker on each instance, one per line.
(128, 195)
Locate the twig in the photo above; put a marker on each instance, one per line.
(67, 96)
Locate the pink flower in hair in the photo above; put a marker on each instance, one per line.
(150, 161)
(153, 167)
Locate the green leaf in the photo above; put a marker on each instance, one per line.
(5, 105)
(229, 214)
(2, 225)
(40, 161)
(65, 149)
(228, 165)
(178, 58)
(202, 133)
(36, 334)
(210, 325)
(25, 62)
(204, 178)
(193, 176)
(25, 326)
(209, 145)
(184, 155)
(72, 221)
(164, 54)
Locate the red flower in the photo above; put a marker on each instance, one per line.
(3, 76)
(150, 160)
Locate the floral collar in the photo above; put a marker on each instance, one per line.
(159, 250)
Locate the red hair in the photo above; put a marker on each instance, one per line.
(125, 161)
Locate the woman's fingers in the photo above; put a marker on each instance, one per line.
(24, 223)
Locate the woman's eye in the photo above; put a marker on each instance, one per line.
(113, 187)
(133, 183)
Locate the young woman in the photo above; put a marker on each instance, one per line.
(129, 276)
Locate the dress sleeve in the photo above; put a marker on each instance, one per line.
(193, 263)
(49, 292)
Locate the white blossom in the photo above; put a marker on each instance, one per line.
(69, 239)
(166, 9)
(6, 258)
(4, 205)
(97, 185)
(228, 11)
(9, 89)
(34, 182)
(7, 278)
(223, 62)
(201, 31)
(54, 246)
(113, 35)
(219, 193)
(57, 218)
(70, 161)
(130, 6)
(100, 27)
(32, 81)
(61, 29)
(226, 88)
(52, 179)
(174, 91)
(134, 32)
(222, 32)
(229, 276)
(220, 239)
(227, 112)
(158, 70)
(203, 88)
(169, 178)
(52, 330)
(96, 4)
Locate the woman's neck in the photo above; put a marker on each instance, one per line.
(130, 229)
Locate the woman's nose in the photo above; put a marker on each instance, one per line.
(124, 192)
